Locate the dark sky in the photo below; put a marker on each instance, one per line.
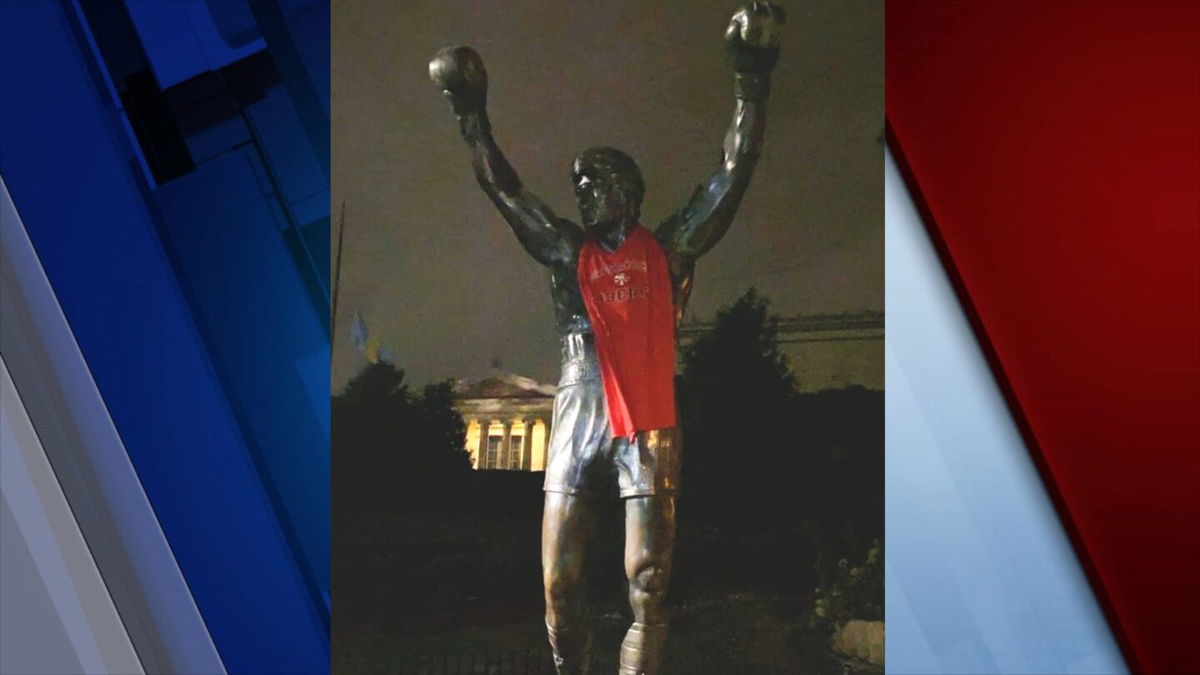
(436, 272)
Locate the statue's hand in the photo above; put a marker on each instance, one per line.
(752, 37)
(459, 73)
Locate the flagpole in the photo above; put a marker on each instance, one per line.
(337, 276)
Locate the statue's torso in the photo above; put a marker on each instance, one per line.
(570, 314)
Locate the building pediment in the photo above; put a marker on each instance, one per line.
(504, 407)
(503, 386)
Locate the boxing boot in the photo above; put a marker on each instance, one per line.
(571, 649)
(641, 650)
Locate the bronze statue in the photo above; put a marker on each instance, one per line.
(584, 451)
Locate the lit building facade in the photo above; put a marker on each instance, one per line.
(507, 420)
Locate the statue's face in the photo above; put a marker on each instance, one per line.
(601, 203)
(608, 187)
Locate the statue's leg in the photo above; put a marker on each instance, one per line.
(649, 545)
(648, 469)
(566, 526)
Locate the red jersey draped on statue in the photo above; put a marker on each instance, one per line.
(631, 305)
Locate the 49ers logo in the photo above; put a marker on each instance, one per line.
(623, 294)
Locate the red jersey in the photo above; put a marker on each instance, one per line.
(631, 305)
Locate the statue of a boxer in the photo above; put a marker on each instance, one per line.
(618, 293)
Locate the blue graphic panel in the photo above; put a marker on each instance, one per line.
(980, 576)
(192, 293)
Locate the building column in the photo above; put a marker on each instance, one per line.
(505, 445)
(472, 453)
(538, 444)
(499, 447)
(483, 425)
(482, 444)
(508, 440)
(485, 431)
(527, 445)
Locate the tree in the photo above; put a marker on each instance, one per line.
(393, 450)
(736, 396)
(785, 485)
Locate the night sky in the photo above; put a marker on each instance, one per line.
(436, 272)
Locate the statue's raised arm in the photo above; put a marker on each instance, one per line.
(752, 40)
(459, 73)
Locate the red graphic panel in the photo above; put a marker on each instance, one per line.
(1054, 148)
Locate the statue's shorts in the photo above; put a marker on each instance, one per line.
(582, 457)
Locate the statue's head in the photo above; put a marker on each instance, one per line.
(608, 185)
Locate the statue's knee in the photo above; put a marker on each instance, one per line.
(650, 580)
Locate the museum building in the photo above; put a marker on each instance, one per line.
(507, 419)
